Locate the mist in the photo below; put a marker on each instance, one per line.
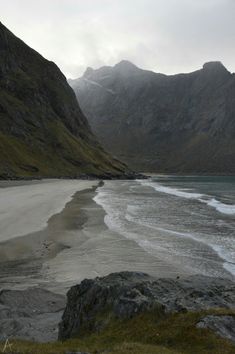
(168, 36)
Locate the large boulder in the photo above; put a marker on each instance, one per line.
(91, 304)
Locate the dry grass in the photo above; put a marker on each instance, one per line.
(147, 333)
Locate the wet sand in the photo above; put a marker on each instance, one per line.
(98, 251)
(75, 244)
(37, 207)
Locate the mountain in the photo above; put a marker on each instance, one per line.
(175, 124)
(43, 131)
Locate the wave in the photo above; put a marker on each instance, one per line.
(169, 190)
(228, 209)
(229, 263)
(118, 219)
(221, 251)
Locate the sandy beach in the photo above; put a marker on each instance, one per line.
(94, 250)
(53, 235)
(31, 230)
(25, 209)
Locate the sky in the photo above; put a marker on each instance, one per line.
(167, 36)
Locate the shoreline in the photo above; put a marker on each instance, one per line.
(76, 244)
(99, 251)
(26, 208)
(128, 175)
(22, 257)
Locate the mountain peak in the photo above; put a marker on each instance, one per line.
(214, 66)
(89, 71)
(125, 65)
(2, 25)
(166, 123)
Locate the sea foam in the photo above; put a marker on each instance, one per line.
(119, 214)
(228, 209)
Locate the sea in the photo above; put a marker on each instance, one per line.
(186, 221)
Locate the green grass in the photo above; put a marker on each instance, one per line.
(34, 139)
(149, 333)
(62, 154)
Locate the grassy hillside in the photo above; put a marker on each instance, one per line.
(18, 158)
(148, 333)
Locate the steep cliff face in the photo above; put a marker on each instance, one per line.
(182, 123)
(43, 131)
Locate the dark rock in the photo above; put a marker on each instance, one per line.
(180, 123)
(91, 304)
(224, 326)
(43, 131)
(31, 314)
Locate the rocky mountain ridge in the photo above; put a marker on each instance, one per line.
(43, 131)
(176, 124)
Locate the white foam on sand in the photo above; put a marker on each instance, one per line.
(27, 208)
(227, 255)
(228, 209)
(116, 223)
(173, 191)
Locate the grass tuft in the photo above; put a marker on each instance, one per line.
(147, 333)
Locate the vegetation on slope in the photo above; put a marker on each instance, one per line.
(43, 132)
(147, 333)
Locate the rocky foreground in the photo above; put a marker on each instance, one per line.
(92, 304)
(31, 314)
(98, 308)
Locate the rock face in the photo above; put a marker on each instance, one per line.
(224, 326)
(181, 123)
(91, 304)
(31, 314)
(43, 131)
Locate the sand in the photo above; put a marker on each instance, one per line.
(33, 227)
(98, 251)
(26, 209)
(64, 239)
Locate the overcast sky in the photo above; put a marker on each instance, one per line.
(168, 36)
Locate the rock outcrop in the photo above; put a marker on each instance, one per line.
(180, 123)
(43, 132)
(31, 314)
(224, 326)
(91, 304)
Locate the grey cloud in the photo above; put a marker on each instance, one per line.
(167, 36)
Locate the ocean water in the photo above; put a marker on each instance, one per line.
(186, 221)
